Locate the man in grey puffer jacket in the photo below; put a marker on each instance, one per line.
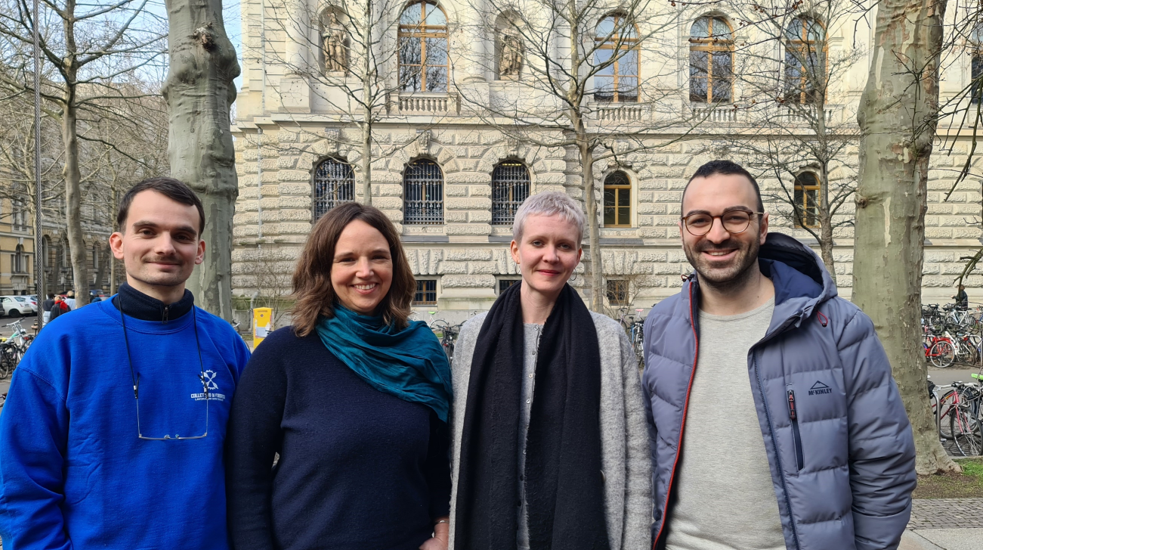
(794, 415)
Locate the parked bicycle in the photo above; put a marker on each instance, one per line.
(12, 348)
(634, 327)
(447, 334)
(959, 329)
(958, 415)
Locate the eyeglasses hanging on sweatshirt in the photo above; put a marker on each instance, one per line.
(136, 378)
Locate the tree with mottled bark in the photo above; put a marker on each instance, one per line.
(898, 116)
(581, 88)
(199, 91)
(88, 49)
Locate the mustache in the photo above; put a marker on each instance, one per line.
(715, 247)
(174, 259)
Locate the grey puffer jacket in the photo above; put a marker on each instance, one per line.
(840, 448)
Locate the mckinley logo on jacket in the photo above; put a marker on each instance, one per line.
(820, 388)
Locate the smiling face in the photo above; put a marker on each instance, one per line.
(362, 269)
(547, 254)
(720, 258)
(159, 244)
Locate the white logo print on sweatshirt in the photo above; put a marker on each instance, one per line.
(208, 379)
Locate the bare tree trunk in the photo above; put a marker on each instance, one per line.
(72, 196)
(826, 219)
(199, 91)
(898, 116)
(365, 161)
(368, 75)
(593, 211)
(827, 247)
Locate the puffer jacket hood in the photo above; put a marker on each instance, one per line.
(842, 461)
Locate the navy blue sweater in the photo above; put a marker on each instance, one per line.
(357, 468)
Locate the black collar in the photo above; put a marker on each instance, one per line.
(138, 305)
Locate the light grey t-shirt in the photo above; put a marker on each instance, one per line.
(724, 499)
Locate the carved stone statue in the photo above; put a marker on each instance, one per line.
(334, 44)
(510, 57)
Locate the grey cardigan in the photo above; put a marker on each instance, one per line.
(627, 464)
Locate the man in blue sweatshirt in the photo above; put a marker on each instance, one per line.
(112, 433)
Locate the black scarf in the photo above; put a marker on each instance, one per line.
(565, 492)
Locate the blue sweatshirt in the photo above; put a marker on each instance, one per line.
(73, 472)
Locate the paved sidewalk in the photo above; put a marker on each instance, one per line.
(944, 524)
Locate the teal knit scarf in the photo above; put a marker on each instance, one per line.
(408, 364)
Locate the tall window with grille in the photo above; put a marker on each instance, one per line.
(617, 60)
(805, 189)
(510, 185)
(805, 61)
(617, 292)
(333, 185)
(617, 200)
(976, 65)
(422, 49)
(710, 61)
(505, 284)
(425, 293)
(422, 201)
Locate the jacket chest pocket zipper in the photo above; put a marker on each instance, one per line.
(796, 431)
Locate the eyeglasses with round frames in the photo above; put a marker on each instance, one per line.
(735, 221)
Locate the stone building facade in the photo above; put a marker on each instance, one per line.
(450, 178)
(18, 249)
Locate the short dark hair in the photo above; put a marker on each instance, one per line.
(172, 188)
(311, 280)
(725, 168)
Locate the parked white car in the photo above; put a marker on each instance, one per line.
(15, 306)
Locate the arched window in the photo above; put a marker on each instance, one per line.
(422, 49)
(19, 265)
(710, 61)
(333, 185)
(510, 185)
(422, 201)
(805, 189)
(805, 69)
(333, 29)
(617, 200)
(617, 60)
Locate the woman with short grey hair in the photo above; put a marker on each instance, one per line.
(548, 411)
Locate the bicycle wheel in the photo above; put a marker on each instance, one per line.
(8, 362)
(966, 353)
(942, 354)
(945, 408)
(966, 431)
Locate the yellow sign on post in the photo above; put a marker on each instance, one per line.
(262, 317)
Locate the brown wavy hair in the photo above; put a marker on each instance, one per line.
(313, 291)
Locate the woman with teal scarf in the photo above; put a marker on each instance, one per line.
(349, 406)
